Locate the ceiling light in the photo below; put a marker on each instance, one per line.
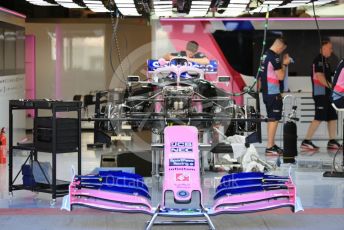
(68, 4)
(162, 8)
(127, 7)
(234, 8)
(232, 12)
(272, 2)
(320, 2)
(263, 8)
(199, 8)
(241, 6)
(295, 3)
(267, 5)
(123, 1)
(96, 6)
(240, 2)
(41, 3)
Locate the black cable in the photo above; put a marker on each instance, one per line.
(260, 59)
(114, 27)
(114, 38)
(263, 45)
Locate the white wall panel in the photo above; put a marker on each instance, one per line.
(12, 87)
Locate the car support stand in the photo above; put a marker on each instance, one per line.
(334, 173)
(206, 221)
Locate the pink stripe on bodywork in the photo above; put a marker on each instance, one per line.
(253, 207)
(107, 200)
(110, 196)
(256, 201)
(252, 197)
(110, 206)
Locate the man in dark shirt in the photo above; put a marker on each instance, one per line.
(338, 85)
(272, 73)
(321, 82)
(191, 54)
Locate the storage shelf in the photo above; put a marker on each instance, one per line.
(61, 189)
(62, 106)
(51, 145)
(28, 147)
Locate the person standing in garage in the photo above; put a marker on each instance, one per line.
(321, 84)
(272, 73)
(191, 54)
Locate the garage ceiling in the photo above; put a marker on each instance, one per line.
(174, 8)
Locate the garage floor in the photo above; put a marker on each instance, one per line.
(107, 221)
(322, 198)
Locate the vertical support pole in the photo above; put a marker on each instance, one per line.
(59, 61)
(10, 157)
(204, 153)
(30, 70)
(53, 184)
(97, 115)
(35, 131)
(79, 138)
(342, 145)
(259, 124)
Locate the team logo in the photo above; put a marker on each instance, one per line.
(211, 67)
(182, 177)
(182, 162)
(177, 147)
